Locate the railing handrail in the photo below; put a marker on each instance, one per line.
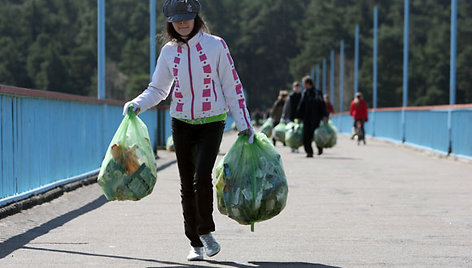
(418, 108)
(18, 91)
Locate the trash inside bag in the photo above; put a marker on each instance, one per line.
(128, 171)
(251, 185)
(325, 135)
(294, 134)
(170, 144)
(279, 132)
(267, 127)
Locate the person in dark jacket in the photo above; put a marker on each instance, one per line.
(291, 105)
(311, 110)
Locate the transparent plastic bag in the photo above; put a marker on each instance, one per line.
(325, 135)
(251, 185)
(128, 171)
(170, 144)
(279, 132)
(267, 127)
(294, 134)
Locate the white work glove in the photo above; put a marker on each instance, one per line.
(136, 108)
(248, 132)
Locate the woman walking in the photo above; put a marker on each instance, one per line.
(199, 69)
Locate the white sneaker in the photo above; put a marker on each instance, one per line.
(211, 246)
(195, 254)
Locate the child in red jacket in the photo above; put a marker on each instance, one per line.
(359, 112)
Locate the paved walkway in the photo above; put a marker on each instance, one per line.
(378, 205)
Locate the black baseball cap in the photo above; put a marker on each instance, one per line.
(178, 10)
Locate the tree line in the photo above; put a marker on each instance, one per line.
(52, 45)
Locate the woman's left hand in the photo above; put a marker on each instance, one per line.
(248, 132)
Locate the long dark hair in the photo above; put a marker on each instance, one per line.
(171, 34)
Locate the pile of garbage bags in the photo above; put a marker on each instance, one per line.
(251, 185)
(128, 171)
(325, 135)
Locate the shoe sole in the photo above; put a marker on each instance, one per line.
(219, 249)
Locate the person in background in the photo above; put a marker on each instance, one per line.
(277, 109)
(291, 105)
(206, 84)
(311, 110)
(257, 116)
(359, 112)
(329, 106)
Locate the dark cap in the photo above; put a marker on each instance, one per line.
(178, 10)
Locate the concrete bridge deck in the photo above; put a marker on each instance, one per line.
(378, 205)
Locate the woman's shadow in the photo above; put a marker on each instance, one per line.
(255, 264)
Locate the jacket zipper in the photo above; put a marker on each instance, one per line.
(214, 90)
(191, 82)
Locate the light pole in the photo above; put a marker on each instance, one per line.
(405, 63)
(101, 49)
(152, 36)
(341, 77)
(374, 83)
(356, 61)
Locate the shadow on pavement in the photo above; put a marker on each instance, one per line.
(166, 165)
(18, 241)
(273, 264)
(108, 256)
(291, 264)
(339, 158)
(196, 264)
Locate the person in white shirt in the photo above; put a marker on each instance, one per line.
(197, 70)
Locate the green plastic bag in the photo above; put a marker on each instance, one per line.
(279, 132)
(128, 171)
(267, 127)
(251, 185)
(170, 144)
(325, 135)
(294, 134)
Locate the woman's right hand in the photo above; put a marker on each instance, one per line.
(248, 132)
(136, 108)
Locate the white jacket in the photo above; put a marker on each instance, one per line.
(206, 81)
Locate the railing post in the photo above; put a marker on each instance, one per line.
(405, 64)
(101, 48)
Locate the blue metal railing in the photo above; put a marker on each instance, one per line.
(46, 141)
(424, 127)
